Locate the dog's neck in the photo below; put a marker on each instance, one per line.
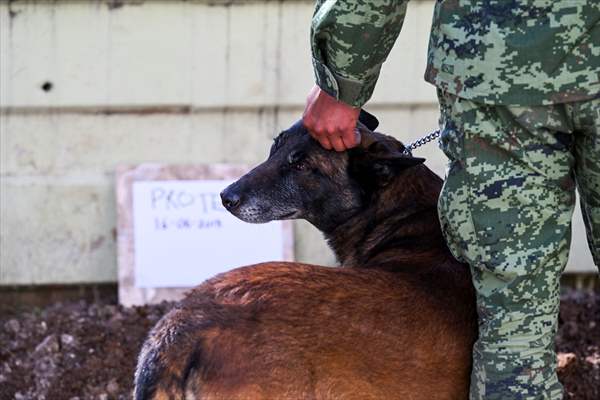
(398, 230)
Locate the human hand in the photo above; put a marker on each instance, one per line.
(332, 123)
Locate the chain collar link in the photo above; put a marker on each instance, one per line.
(420, 142)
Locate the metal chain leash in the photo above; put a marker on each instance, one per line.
(420, 142)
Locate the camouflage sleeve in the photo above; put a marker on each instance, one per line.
(350, 40)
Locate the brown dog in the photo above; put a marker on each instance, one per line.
(398, 324)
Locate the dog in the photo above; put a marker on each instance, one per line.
(397, 320)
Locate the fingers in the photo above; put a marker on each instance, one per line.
(318, 133)
(323, 140)
(342, 139)
(351, 138)
(333, 137)
(337, 143)
(329, 138)
(329, 121)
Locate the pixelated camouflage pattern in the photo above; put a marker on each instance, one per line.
(506, 209)
(350, 40)
(516, 52)
(511, 52)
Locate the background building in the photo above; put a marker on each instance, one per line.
(88, 85)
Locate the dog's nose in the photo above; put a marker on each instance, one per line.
(229, 199)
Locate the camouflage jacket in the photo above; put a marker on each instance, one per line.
(517, 52)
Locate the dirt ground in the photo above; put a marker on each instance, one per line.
(78, 350)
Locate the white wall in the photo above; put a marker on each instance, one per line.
(161, 81)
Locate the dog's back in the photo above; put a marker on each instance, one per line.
(294, 331)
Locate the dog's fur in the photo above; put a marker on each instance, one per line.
(398, 324)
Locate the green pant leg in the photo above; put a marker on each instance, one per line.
(586, 116)
(506, 208)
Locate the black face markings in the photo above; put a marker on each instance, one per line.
(304, 180)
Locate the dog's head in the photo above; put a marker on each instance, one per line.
(300, 179)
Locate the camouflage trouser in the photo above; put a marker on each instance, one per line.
(506, 210)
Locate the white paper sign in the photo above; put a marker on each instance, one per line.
(183, 235)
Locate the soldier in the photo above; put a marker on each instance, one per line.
(519, 90)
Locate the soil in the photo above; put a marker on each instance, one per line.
(79, 350)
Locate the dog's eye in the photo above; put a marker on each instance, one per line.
(295, 160)
(299, 166)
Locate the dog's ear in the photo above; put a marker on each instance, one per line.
(379, 159)
(368, 120)
(376, 146)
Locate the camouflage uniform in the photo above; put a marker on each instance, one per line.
(519, 90)
(506, 209)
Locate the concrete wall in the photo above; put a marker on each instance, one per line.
(88, 85)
